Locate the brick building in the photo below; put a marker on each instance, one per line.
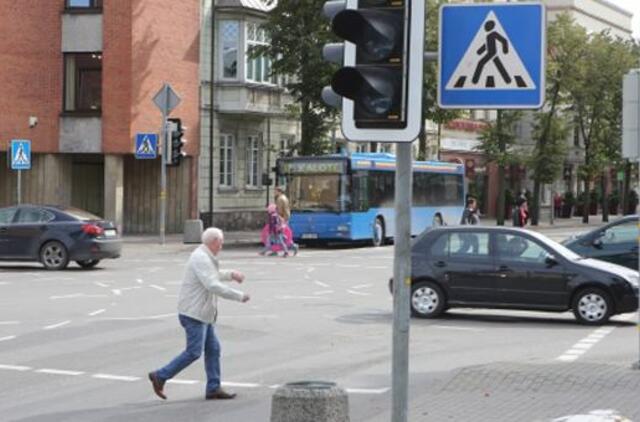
(87, 70)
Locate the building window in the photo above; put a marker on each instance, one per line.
(362, 147)
(230, 39)
(83, 82)
(387, 148)
(254, 160)
(258, 68)
(226, 160)
(84, 4)
(287, 144)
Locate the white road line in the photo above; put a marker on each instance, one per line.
(115, 377)
(323, 292)
(98, 312)
(310, 270)
(348, 266)
(117, 292)
(361, 286)
(15, 368)
(354, 292)
(7, 338)
(139, 280)
(9, 322)
(183, 382)
(97, 283)
(74, 296)
(60, 324)
(288, 297)
(240, 384)
(583, 345)
(59, 372)
(143, 318)
(155, 286)
(321, 284)
(4, 283)
(452, 327)
(367, 390)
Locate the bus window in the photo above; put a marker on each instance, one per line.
(314, 192)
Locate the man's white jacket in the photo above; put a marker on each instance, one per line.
(202, 284)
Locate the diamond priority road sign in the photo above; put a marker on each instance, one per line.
(492, 55)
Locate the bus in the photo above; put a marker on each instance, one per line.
(351, 197)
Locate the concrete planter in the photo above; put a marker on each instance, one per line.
(310, 401)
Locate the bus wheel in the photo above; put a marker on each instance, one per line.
(437, 220)
(378, 233)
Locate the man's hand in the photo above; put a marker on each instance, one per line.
(245, 298)
(237, 276)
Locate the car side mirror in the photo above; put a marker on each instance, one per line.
(551, 261)
(597, 243)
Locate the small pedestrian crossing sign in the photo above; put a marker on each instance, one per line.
(492, 55)
(20, 154)
(146, 146)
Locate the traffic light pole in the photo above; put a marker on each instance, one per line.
(164, 136)
(402, 283)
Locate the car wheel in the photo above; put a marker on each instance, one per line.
(88, 263)
(592, 306)
(378, 233)
(437, 221)
(54, 255)
(427, 300)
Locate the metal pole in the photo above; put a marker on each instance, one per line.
(19, 187)
(163, 176)
(553, 205)
(211, 112)
(402, 284)
(268, 157)
(638, 324)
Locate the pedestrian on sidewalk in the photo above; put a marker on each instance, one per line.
(557, 205)
(197, 313)
(471, 214)
(521, 212)
(282, 204)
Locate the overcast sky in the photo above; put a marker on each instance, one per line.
(632, 6)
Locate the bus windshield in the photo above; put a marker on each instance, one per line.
(314, 192)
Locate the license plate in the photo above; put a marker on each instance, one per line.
(110, 233)
(310, 236)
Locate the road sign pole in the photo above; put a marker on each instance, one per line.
(19, 187)
(401, 284)
(163, 178)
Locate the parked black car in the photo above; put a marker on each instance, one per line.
(617, 242)
(56, 235)
(510, 268)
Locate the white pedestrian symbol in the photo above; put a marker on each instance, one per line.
(20, 158)
(490, 61)
(145, 147)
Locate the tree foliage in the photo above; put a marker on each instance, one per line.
(298, 30)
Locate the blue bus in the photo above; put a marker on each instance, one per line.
(350, 198)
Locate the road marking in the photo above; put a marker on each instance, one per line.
(452, 327)
(143, 318)
(354, 292)
(240, 384)
(184, 382)
(15, 368)
(348, 266)
(4, 283)
(74, 296)
(60, 324)
(155, 286)
(97, 283)
(367, 390)
(7, 338)
(98, 312)
(584, 344)
(115, 377)
(9, 322)
(287, 297)
(361, 286)
(310, 269)
(323, 292)
(139, 280)
(321, 284)
(58, 372)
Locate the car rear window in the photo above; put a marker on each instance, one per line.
(81, 214)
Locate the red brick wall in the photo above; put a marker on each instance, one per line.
(166, 48)
(31, 70)
(117, 78)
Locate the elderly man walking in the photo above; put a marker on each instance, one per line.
(197, 312)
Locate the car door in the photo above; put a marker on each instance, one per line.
(618, 244)
(529, 274)
(6, 218)
(464, 264)
(26, 231)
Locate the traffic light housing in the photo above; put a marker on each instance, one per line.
(175, 142)
(381, 81)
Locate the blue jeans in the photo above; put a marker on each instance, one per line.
(200, 336)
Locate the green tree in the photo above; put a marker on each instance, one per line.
(298, 31)
(497, 142)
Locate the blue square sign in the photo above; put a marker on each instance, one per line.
(146, 146)
(492, 56)
(20, 154)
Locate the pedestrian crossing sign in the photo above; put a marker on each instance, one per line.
(492, 56)
(146, 146)
(20, 154)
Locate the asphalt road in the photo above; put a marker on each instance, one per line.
(76, 345)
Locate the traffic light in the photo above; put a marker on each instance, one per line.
(381, 81)
(175, 142)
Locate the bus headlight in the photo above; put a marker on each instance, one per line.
(343, 228)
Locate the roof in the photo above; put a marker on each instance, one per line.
(260, 5)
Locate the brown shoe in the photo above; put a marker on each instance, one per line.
(219, 394)
(158, 385)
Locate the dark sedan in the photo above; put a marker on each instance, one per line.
(56, 235)
(617, 242)
(509, 268)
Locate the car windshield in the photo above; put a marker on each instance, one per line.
(557, 247)
(314, 192)
(81, 214)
